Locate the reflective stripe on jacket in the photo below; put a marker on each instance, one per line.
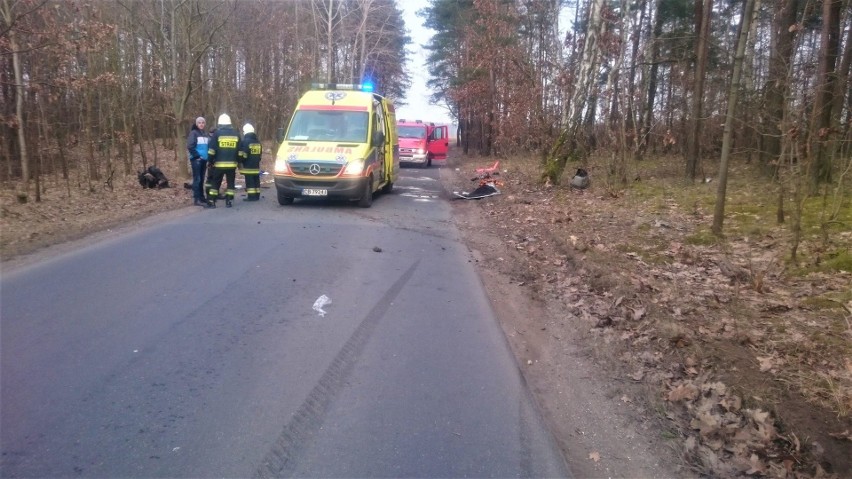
(223, 151)
(250, 154)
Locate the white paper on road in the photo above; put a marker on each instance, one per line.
(320, 302)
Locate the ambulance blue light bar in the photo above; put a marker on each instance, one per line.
(368, 87)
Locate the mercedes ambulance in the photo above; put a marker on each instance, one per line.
(341, 143)
(421, 143)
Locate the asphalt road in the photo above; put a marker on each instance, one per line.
(191, 348)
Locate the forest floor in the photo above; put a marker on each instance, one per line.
(729, 359)
(734, 361)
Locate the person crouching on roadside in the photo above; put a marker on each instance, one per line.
(249, 154)
(197, 145)
(222, 156)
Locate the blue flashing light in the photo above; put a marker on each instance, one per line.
(366, 86)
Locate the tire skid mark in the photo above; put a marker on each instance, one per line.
(525, 430)
(279, 461)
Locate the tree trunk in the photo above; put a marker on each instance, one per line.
(93, 164)
(618, 119)
(488, 133)
(9, 20)
(778, 81)
(652, 80)
(366, 10)
(330, 77)
(733, 93)
(23, 190)
(631, 88)
(180, 98)
(568, 143)
(842, 78)
(693, 149)
(820, 134)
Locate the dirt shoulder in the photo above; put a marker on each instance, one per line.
(599, 418)
(602, 427)
(70, 211)
(654, 357)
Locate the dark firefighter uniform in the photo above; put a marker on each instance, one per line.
(249, 158)
(222, 157)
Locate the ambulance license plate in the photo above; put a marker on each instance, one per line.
(314, 192)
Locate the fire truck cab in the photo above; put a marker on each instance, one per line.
(420, 143)
(341, 143)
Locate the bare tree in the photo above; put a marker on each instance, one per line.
(198, 39)
(619, 119)
(821, 131)
(569, 143)
(842, 84)
(10, 14)
(733, 94)
(693, 150)
(778, 79)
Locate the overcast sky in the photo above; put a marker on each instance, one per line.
(418, 107)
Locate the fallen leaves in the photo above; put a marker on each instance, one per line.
(637, 313)
(754, 466)
(683, 312)
(726, 433)
(681, 392)
(768, 363)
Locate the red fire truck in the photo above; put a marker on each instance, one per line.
(420, 143)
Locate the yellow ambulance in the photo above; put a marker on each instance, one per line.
(341, 143)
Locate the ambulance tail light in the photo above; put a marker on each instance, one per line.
(354, 168)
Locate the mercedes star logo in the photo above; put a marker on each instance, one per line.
(314, 169)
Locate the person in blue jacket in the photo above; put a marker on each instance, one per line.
(197, 143)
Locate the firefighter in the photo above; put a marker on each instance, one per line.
(249, 158)
(222, 157)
